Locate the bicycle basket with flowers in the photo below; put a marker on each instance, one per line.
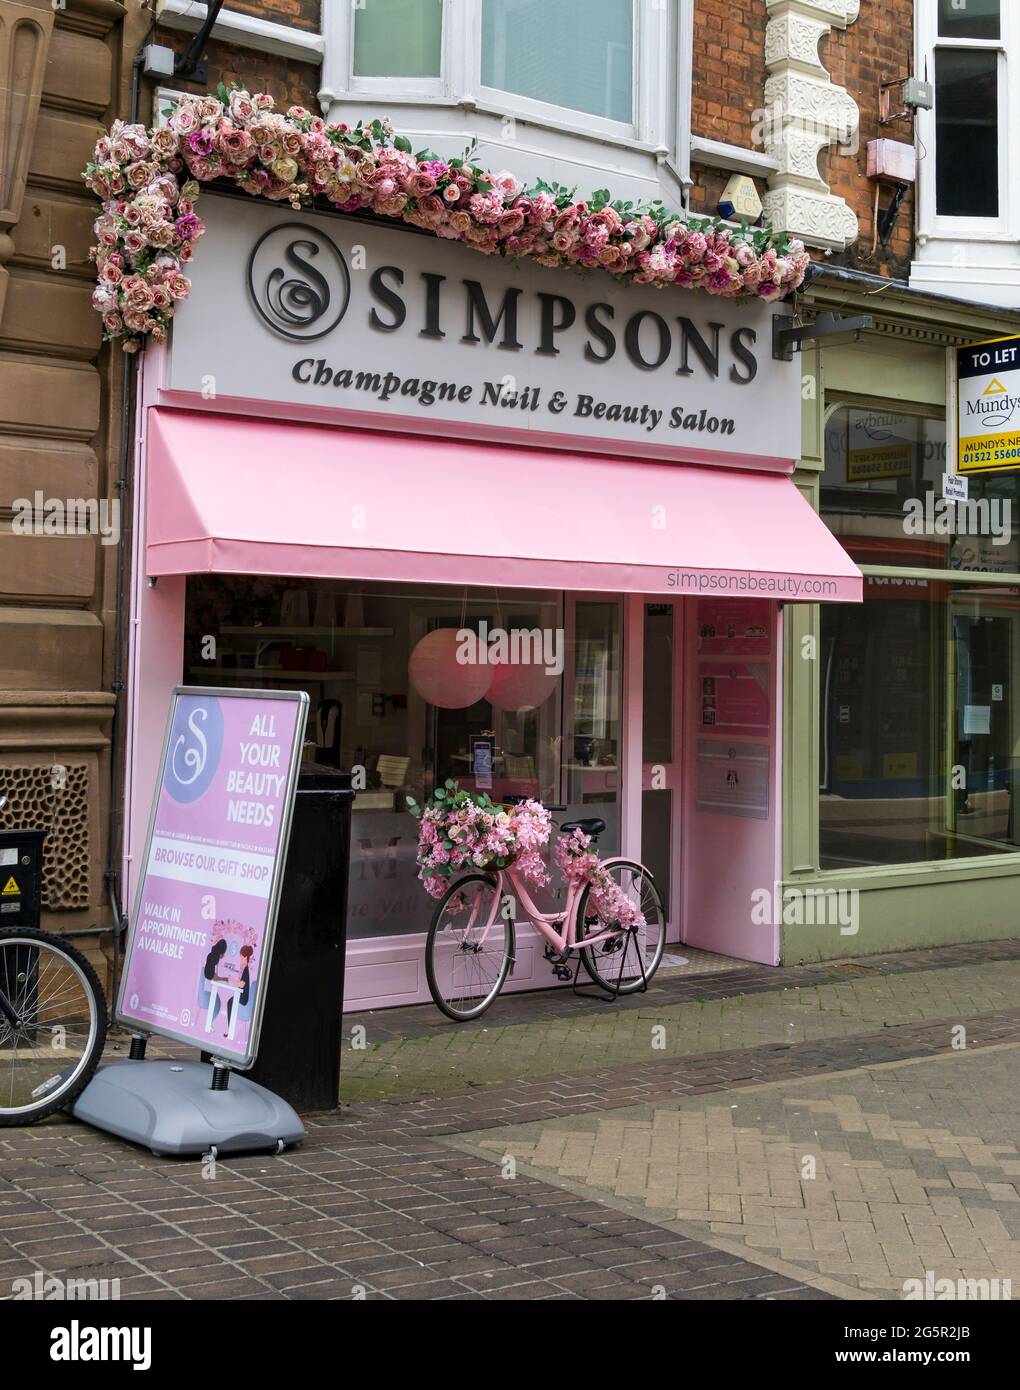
(459, 831)
(578, 863)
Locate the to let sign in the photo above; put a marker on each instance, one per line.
(988, 406)
(201, 933)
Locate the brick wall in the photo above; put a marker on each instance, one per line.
(878, 47)
(288, 83)
(729, 85)
(299, 14)
(729, 69)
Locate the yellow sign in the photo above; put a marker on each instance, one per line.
(850, 768)
(868, 465)
(10, 889)
(895, 765)
(988, 406)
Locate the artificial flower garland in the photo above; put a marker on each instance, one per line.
(459, 831)
(148, 181)
(579, 863)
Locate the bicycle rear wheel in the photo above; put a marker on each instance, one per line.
(52, 1024)
(626, 961)
(465, 964)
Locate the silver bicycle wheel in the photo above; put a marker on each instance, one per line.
(627, 960)
(52, 1024)
(466, 959)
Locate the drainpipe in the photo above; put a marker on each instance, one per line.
(187, 65)
(112, 874)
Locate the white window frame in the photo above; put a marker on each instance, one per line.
(928, 42)
(661, 78)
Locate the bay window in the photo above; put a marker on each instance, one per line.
(578, 90)
(523, 43)
(398, 38)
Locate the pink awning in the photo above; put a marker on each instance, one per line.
(239, 496)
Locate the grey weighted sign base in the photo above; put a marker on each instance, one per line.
(171, 1108)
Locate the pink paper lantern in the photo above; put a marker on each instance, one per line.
(517, 688)
(440, 678)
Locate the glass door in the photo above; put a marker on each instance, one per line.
(591, 751)
(661, 773)
(983, 731)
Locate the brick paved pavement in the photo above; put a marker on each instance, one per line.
(394, 1198)
(856, 1182)
(455, 1055)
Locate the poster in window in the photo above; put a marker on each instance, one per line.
(733, 778)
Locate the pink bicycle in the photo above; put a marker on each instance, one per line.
(471, 947)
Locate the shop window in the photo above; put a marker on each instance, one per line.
(920, 727)
(398, 38)
(523, 47)
(882, 496)
(389, 697)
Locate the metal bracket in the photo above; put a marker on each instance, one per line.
(828, 330)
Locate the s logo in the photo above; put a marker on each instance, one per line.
(193, 753)
(298, 281)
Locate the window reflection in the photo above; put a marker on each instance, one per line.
(920, 724)
(882, 496)
(390, 695)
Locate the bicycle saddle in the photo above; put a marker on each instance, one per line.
(594, 826)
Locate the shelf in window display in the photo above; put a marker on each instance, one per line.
(274, 673)
(256, 630)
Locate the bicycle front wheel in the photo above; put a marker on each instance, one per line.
(52, 1024)
(470, 947)
(625, 961)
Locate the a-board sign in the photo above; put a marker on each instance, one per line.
(201, 934)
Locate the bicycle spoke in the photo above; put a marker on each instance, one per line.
(468, 949)
(59, 1020)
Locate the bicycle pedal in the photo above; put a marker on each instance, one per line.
(562, 972)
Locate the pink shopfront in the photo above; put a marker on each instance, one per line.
(363, 443)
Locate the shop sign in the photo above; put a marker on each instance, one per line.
(336, 318)
(201, 935)
(871, 465)
(987, 384)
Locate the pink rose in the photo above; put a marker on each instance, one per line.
(183, 120)
(164, 141)
(241, 106)
(235, 145)
(421, 184)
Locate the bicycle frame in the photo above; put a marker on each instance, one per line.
(546, 922)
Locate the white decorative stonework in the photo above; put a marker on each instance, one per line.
(805, 113)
